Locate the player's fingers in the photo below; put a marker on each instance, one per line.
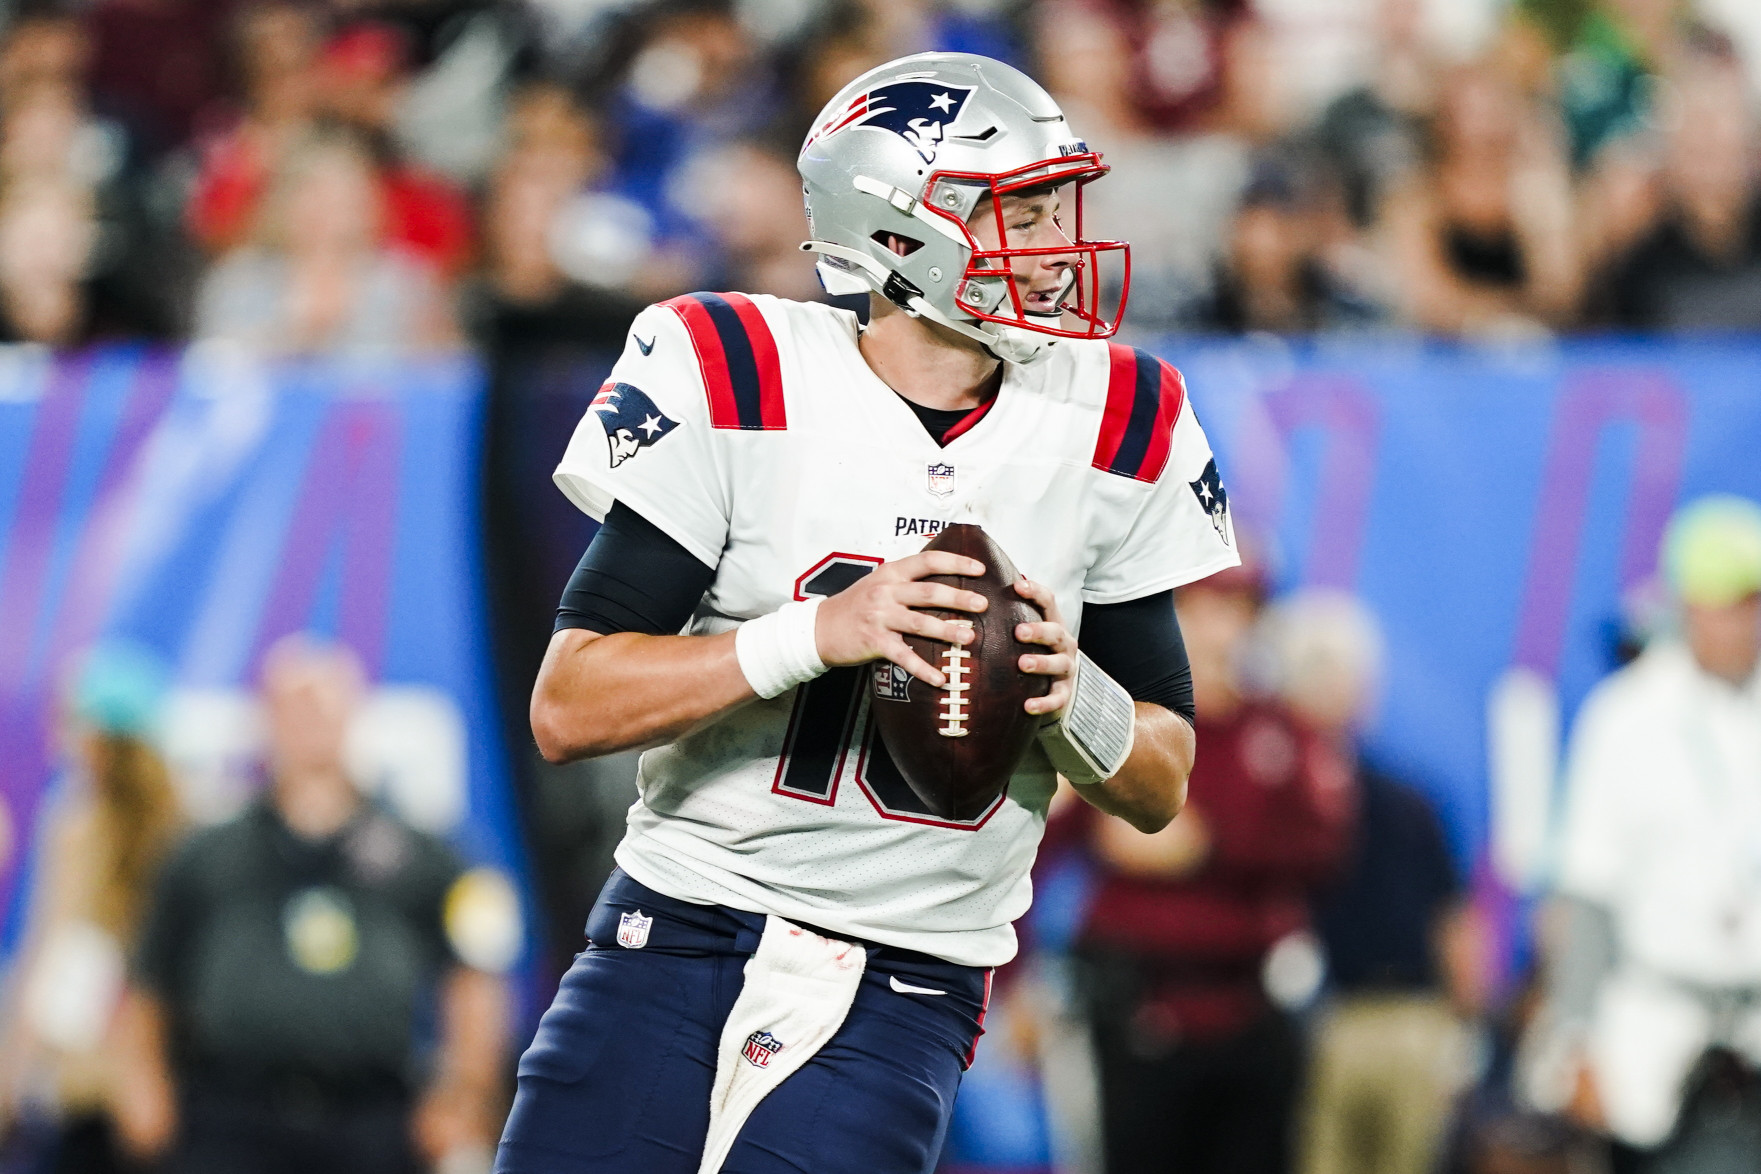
(947, 631)
(920, 594)
(1054, 700)
(1055, 665)
(1041, 595)
(936, 562)
(1053, 635)
(900, 654)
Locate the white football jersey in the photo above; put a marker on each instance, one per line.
(753, 432)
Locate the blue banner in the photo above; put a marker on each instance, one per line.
(1493, 506)
(207, 505)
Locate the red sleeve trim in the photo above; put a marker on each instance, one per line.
(1144, 398)
(742, 372)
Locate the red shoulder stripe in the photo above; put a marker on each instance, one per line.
(737, 353)
(1144, 398)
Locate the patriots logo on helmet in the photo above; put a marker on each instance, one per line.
(630, 419)
(917, 111)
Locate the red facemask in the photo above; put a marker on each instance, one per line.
(1080, 311)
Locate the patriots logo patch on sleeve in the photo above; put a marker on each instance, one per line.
(630, 419)
(919, 112)
(1213, 498)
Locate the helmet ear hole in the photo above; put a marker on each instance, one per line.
(894, 242)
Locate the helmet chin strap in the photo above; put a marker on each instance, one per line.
(1012, 344)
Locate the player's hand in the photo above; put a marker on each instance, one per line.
(866, 620)
(1059, 663)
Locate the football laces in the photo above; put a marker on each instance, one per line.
(953, 700)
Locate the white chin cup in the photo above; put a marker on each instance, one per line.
(779, 651)
(846, 270)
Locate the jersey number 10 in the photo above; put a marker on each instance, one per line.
(830, 720)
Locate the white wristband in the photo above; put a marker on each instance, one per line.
(779, 651)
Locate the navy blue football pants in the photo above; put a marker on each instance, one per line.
(618, 1077)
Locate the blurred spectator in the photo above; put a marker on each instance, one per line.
(1700, 267)
(1620, 201)
(107, 827)
(1277, 276)
(1656, 958)
(362, 74)
(847, 39)
(277, 51)
(1482, 238)
(755, 220)
(1178, 73)
(549, 339)
(1087, 55)
(42, 48)
(1407, 969)
(289, 955)
(76, 257)
(46, 237)
(1373, 136)
(1601, 60)
(525, 300)
(356, 78)
(1196, 940)
(317, 276)
(160, 66)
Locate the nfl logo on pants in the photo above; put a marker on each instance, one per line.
(760, 1047)
(633, 930)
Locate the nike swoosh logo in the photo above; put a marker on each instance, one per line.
(644, 346)
(906, 988)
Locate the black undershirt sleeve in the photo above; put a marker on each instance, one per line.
(1138, 644)
(633, 578)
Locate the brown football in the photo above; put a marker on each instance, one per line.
(956, 747)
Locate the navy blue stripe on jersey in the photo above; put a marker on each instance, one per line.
(742, 372)
(1145, 399)
(742, 366)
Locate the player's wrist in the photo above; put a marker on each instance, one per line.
(1089, 739)
(778, 651)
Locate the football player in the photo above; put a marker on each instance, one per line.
(789, 969)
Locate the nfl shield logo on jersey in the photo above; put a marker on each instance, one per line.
(760, 1047)
(941, 479)
(630, 419)
(891, 683)
(633, 930)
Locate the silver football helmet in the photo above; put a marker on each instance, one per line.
(909, 149)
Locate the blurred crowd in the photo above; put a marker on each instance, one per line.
(321, 174)
(1296, 974)
(309, 984)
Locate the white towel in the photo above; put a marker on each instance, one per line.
(798, 988)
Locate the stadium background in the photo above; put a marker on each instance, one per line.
(303, 300)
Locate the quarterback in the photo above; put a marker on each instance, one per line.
(789, 969)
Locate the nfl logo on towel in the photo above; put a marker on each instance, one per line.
(633, 930)
(760, 1047)
(941, 480)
